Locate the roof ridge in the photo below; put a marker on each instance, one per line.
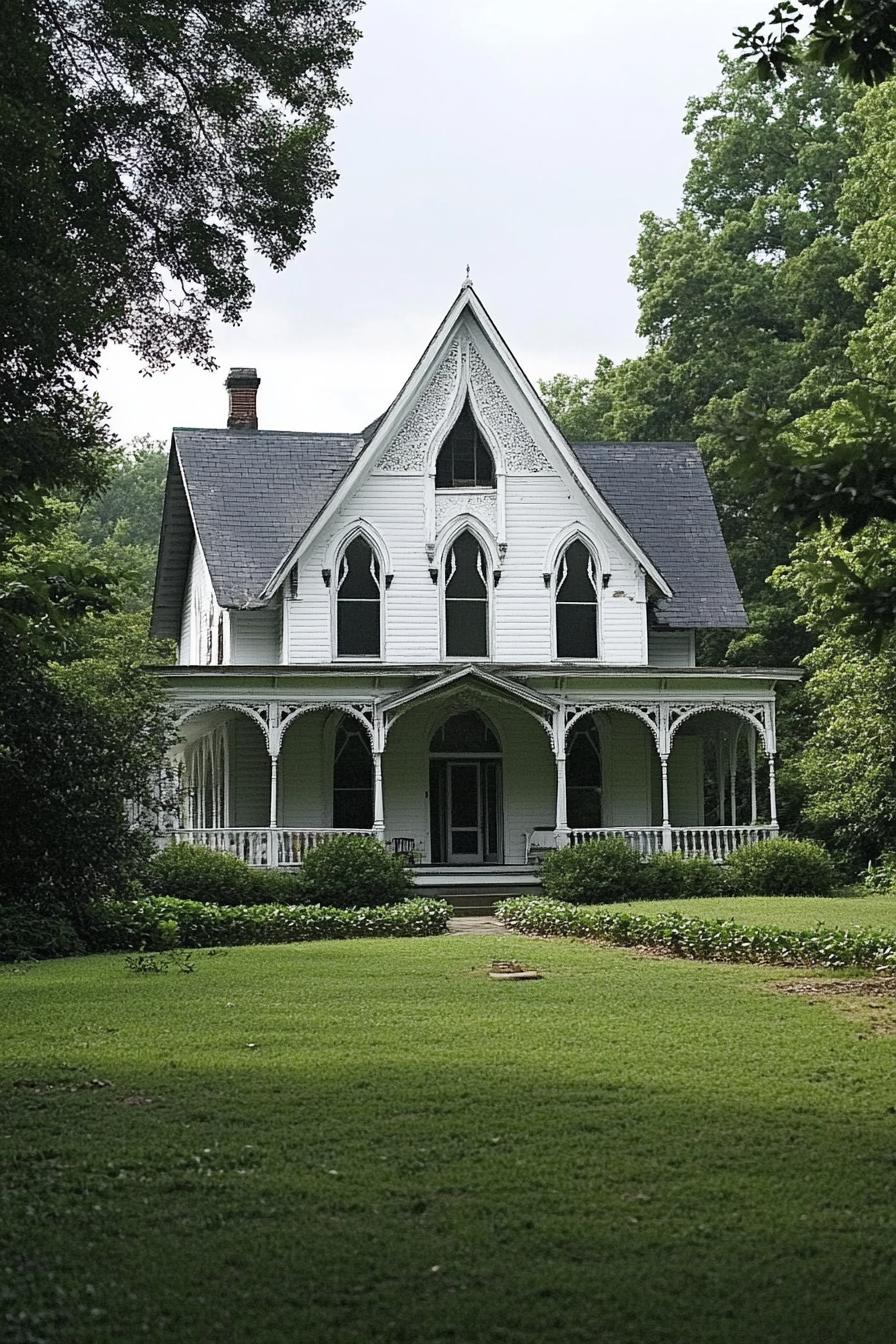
(248, 434)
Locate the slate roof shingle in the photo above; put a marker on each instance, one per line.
(661, 494)
(254, 493)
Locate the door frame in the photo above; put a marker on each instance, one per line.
(470, 856)
(440, 819)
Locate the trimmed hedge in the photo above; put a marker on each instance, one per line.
(594, 873)
(354, 870)
(27, 934)
(672, 877)
(191, 873)
(159, 922)
(781, 868)
(703, 939)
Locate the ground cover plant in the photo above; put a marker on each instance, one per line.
(705, 939)
(373, 1141)
(842, 911)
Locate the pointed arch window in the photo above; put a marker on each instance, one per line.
(466, 599)
(358, 600)
(352, 775)
(583, 774)
(576, 602)
(464, 459)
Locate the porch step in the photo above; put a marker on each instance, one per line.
(475, 890)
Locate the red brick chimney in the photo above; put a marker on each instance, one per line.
(242, 388)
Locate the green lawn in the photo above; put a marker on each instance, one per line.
(789, 912)
(370, 1142)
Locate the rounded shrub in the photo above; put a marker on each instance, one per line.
(27, 934)
(191, 873)
(672, 877)
(353, 870)
(593, 873)
(781, 868)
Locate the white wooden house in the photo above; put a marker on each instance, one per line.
(454, 631)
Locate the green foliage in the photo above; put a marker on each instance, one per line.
(672, 877)
(142, 152)
(145, 925)
(703, 939)
(351, 870)
(68, 761)
(191, 873)
(27, 933)
(781, 868)
(599, 870)
(857, 37)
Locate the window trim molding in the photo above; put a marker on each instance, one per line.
(557, 549)
(463, 392)
(466, 522)
(360, 527)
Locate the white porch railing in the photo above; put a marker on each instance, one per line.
(257, 845)
(712, 842)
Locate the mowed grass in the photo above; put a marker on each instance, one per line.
(372, 1142)
(788, 912)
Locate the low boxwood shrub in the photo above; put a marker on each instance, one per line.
(672, 877)
(781, 868)
(191, 873)
(159, 922)
(593, 873)
(351, 870)
(704, 939)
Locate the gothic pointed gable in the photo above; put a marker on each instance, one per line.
(468, 360)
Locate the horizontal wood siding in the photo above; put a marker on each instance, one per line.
(250, 774)
(255, 635)
(627, 757)
(671, 648)
(686, 781)
(305, 775)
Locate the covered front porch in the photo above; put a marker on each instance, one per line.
(471, 769)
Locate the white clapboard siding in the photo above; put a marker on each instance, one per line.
(671, 648)
(627, 758)
(686, 781)
(199, 597)
(250, 774)
(255, 636)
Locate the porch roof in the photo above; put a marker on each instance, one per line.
(489, 681)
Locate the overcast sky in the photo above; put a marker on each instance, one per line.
(520, 137)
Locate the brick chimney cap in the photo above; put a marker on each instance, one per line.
(242, 378)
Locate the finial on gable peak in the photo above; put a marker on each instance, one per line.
(468, 283)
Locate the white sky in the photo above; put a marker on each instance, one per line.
(520, 137)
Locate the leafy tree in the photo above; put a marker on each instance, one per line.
(744, 313)
(858, 37)
(143, 147)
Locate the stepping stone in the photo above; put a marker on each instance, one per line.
(476, 924)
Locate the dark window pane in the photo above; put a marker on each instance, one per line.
(465, 842)
(465, 568)
(464, 458)
(577, 575)
(583, 774)
(352, 776)
(466, 632)
(465, 732)
(358, 574)
(576, 630)
(357, 628)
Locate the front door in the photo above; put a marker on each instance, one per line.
(464, 812)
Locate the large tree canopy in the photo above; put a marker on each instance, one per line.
(143, 147)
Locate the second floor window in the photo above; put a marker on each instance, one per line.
(464, 459)
(358, 593)
(466, 599)
(577, 603)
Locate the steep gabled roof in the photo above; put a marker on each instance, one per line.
(661, 493)
(250, 493)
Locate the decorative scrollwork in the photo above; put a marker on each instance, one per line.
(758, 713)
(406, 453)
(362, 710)
(522, 455)
(482, 506)
(648, 711)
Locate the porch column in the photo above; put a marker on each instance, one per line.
(751, 751)
(379, 822)
(667, 827)
(273, 843)
(561, 829)
(772, 796)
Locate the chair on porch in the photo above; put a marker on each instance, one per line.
(405, 847)
(538, 842)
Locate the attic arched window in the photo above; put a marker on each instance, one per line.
(358, 597)
(576, 601)
(466, 599)
(464, 459)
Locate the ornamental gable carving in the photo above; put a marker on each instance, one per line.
(482, 506)
(522, 456)
(407, 451)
